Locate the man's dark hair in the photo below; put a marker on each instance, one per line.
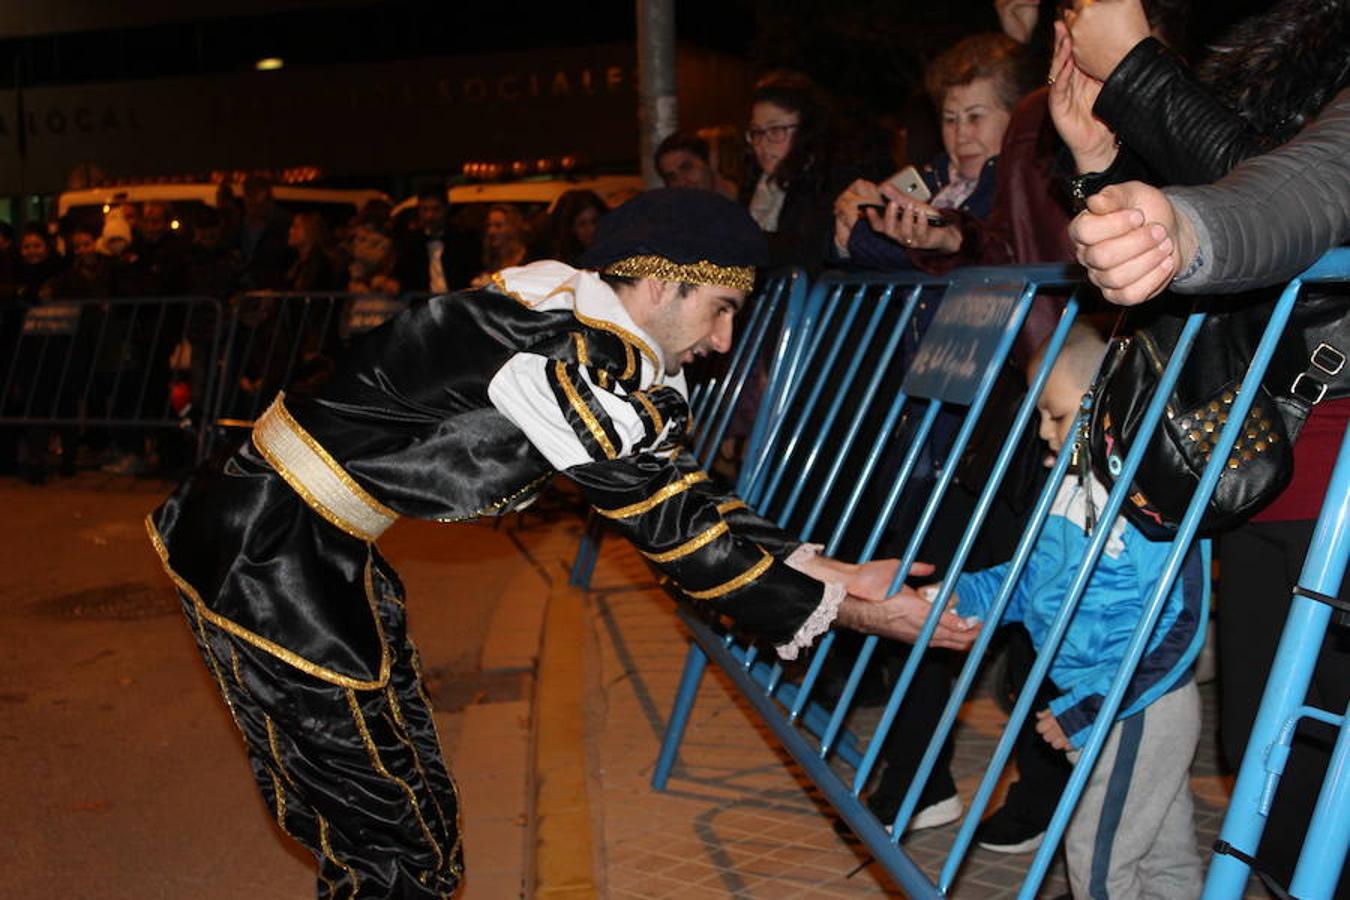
(616, 281)
(257, 184)
(432, 192)
(207, 217)
(682, 140)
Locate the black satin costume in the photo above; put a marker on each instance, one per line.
(302, 623)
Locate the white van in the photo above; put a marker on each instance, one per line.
(336, 205)
(531, 196)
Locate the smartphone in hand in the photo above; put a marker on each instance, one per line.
(909, 182)
(933, 221)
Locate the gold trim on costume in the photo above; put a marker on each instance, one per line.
(313, 474)
(583, 355)
(658, 423)
(739, 278)
(499, 283)
(661, 496)
(629, 339)
(739, 581)
(404, 734)
(436, 732)
(734, 503)
(584, 411)
(693, 545)
(327, 849)
(378, 764)
(498, 504)
(287, 656)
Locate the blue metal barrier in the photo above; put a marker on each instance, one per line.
(1282, 705)
(765, 347)
(841, 376)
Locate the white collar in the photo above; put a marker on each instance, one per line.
(550, 285)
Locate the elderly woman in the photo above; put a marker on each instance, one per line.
(975, 85)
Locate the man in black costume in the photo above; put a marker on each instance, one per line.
(465, 406)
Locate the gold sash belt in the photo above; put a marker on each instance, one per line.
(316, 476)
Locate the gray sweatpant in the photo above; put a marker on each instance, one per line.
(1133, 834)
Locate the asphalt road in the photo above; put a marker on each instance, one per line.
(124, 776)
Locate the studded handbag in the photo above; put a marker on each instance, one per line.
(1309, 366)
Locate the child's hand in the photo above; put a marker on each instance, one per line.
(1048, 728)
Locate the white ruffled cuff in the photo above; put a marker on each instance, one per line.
(823, 616)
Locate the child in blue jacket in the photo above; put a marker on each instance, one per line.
(1132, 834)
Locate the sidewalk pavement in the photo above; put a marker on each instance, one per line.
(738, 818)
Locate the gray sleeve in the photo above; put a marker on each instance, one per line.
(1275, 214)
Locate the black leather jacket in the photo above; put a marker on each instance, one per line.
(1171, 129)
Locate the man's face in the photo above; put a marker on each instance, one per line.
(84, 245)
(431, 215)
(32, 249)
(680, 168)
(693, 325)
(208, 236)
(498, 228)
(154, 222)
(258, 205)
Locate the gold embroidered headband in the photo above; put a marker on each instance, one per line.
(740, 278)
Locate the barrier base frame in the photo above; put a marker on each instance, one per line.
(907, 874)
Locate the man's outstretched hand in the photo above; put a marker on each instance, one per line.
(898, 617)
(872, 580)
(901, 617)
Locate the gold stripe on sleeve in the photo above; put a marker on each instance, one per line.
(584, 411)
(661, 496)
(736, 583)
(734, 503)
(658, 422)
(693, 545)
(583, 355)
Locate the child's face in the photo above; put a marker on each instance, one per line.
(1058, 406)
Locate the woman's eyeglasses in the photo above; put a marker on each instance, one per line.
(774, 134)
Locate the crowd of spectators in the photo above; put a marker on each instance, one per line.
(237, 253)
(1069, 99)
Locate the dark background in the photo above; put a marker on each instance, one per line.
(385, 94)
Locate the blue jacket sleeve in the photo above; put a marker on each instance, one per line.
(976, 591)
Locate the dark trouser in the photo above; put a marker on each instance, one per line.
(1259, 566)
(354, 775)
(1043, 772)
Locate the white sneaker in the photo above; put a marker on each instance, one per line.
(944, 812)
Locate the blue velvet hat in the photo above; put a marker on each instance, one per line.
(680, 234)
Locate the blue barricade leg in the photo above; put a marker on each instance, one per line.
(1295, 659)
(695, 661)
(588, 551)
(1324, 849)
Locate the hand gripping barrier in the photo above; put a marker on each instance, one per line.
(855, 330)
(765, 347)
(110, 363)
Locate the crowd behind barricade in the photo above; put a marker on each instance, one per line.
(1126, 98)
(1068, 100)
(238, 253)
